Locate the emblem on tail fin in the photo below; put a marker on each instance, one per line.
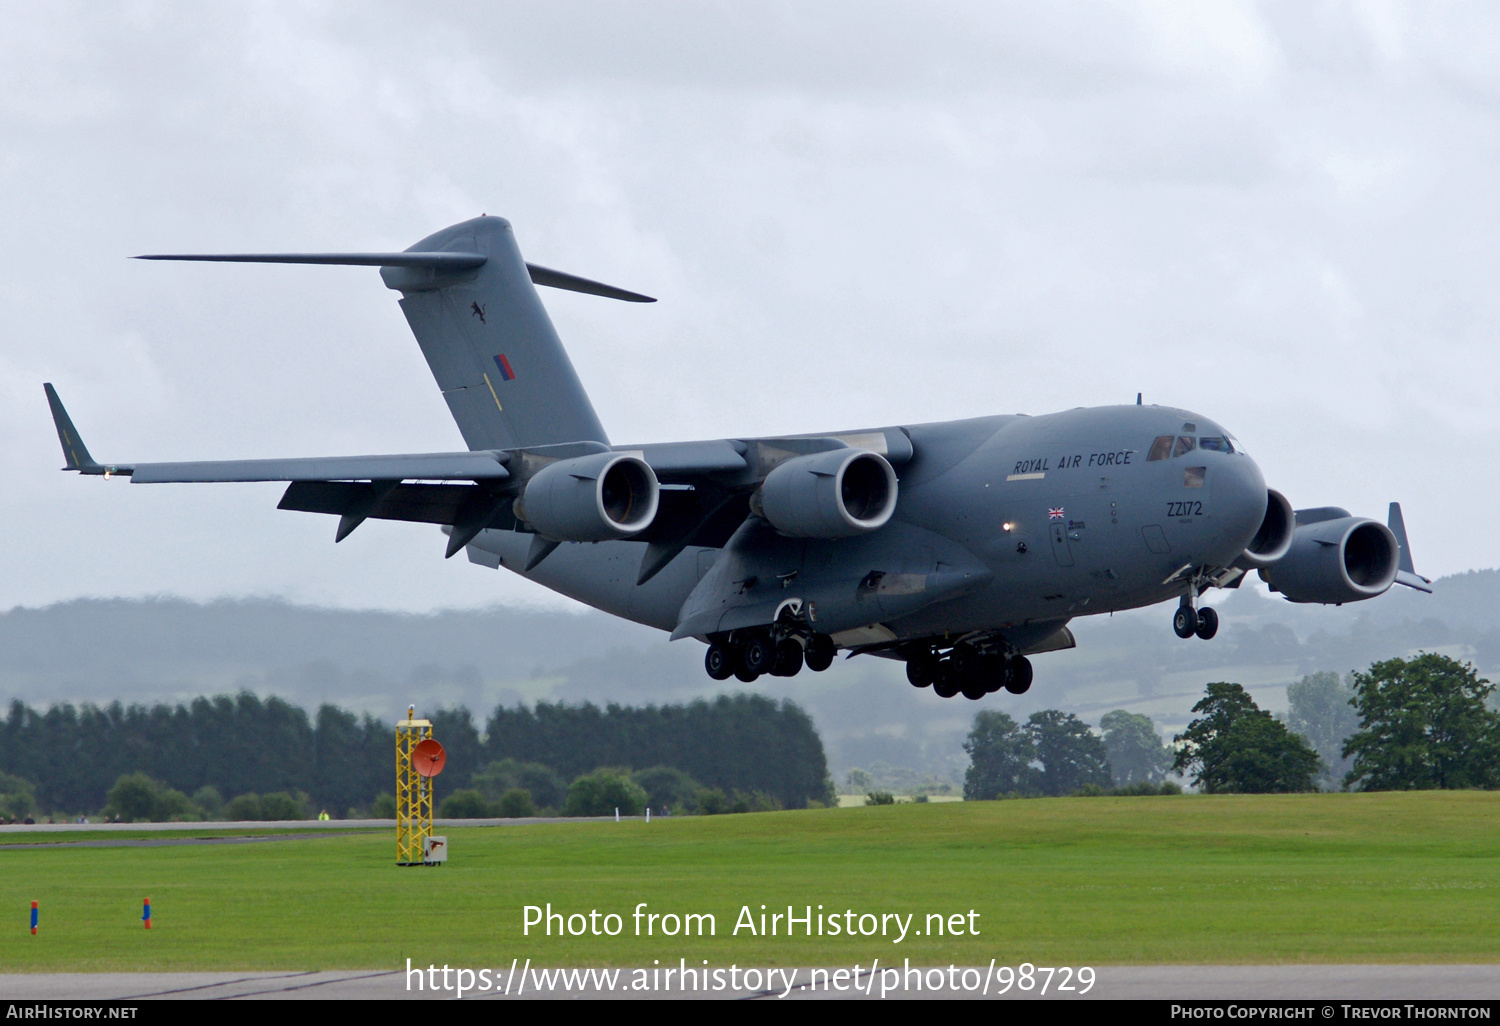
(478, 311)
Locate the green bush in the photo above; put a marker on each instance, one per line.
(279, 805)
(465, 804)
(383, 807)
(137, 798)
(209, 800)
(516, 804)
(880, 798)
(1140, 789)
(603, 791)
(668, 788)
(17, 797)
(243, 807)
(546, 787)
(712, 802)
(756, 801)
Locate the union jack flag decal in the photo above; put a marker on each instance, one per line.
(1056, 513)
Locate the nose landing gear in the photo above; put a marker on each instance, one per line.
(1189, 619)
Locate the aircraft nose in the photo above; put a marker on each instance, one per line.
(1239, 492)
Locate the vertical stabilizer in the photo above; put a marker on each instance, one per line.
(490, 344)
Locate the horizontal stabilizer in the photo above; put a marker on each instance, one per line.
(444, 261)
(434, 261)
(561, 280)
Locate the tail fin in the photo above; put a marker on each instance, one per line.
(471, 302)
(491, 346)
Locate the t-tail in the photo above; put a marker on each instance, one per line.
(472, 304)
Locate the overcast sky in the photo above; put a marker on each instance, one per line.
(1282, 216)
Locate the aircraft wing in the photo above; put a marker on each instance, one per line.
(433, 466)
(704, 492)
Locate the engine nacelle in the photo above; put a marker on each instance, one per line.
(591, 498)
(1274, 538)
(834, 494)
(1332, 561)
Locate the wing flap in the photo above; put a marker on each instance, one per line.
(413, 503)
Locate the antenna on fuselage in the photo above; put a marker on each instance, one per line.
(1138, 398)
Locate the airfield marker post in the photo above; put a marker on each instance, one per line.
(33, 918)
(413, 791)
(146, 912)
(419, 758)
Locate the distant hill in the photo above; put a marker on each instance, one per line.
(170, 649)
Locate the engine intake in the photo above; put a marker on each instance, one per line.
(1333, 561)
(834, 494)
(1274, 538)
(591, 498)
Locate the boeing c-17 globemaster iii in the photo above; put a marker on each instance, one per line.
(961, 548)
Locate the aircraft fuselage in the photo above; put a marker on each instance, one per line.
(1051, 517)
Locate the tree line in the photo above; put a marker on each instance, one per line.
(1414, 724)
(68, 759)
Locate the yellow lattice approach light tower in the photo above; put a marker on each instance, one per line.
(414, 772)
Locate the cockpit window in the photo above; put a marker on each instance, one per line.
(1185, 444)
(1215, 444)
(1160, 449)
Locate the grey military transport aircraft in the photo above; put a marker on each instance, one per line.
(960, 548)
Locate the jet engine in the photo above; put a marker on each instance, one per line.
(1274, 538)
(1341, 560)
(590, 498)
(834, 494)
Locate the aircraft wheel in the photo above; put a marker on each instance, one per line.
(820, 652)
(992, 671)
(719, 662)
(945, 686)
(963, 661)
(788, 659)
(745, 675)
(1185, 622)
(1208, 622)
(758, 656)
(1018, 680)
(974, 689)
(922, 671)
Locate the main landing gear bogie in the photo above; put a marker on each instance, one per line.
(761, 652)
(1188, 621)
(970, 673)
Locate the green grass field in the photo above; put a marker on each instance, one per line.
(1411, 877)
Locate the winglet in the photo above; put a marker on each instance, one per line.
(74, 451)
(1406, 573)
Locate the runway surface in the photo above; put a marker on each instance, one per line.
(1319, 983)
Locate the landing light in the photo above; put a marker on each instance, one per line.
(1007, 526)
